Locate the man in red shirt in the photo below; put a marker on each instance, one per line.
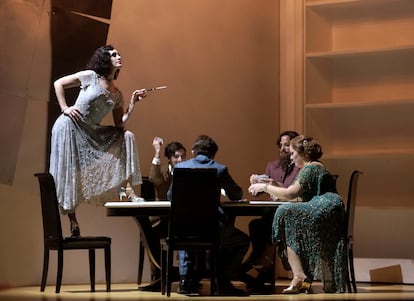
(281, 172)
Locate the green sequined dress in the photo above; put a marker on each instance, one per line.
(313, 228)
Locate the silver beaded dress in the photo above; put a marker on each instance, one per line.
(90, 161)
(314, 229)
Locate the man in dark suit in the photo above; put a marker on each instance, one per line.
(234, 243)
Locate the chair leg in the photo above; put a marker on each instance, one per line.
(141, 257)
(348, 281)
(168, 269)
(59, 271)
(45, 269)
(351, 269)
(213, 274)
(213, 285)
(108, 268)
(163, 268)
(92, 268)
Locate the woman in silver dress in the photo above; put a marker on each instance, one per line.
(90, 161)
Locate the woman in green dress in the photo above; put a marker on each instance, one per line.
(309, 228)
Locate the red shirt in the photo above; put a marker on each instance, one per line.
(274, 171)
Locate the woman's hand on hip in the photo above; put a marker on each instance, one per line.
(73, 113)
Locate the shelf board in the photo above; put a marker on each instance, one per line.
(352, 4)
(359, 52)
(361, 104)
(363, 155)
(317, 3)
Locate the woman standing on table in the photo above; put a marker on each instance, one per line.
(309, 230)
(89, 161)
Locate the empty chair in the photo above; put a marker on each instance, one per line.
(349, 228)
(54, 240)
(193, 220)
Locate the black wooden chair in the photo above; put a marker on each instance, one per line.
(349, 228)
(54, 240)
(193, 220)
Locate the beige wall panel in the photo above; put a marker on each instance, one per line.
(220, 62)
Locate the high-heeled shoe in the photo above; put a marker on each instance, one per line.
(129, 194)
(75, 231)
(133, 198)
(122, 193)
(298, 286)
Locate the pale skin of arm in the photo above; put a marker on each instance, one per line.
(66, 82)
(121, 117)
(70, 81)
(282, 193)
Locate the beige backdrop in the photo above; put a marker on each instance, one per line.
(220, 62)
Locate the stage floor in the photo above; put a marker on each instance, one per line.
(130, 292)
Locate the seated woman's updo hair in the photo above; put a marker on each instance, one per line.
(307, 147)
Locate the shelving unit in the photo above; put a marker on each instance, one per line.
(359, 93)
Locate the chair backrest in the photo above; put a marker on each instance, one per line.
(335, 181)
(147, 189)
(328, 183)
(351, 202)
(194, 204)
(52, 227)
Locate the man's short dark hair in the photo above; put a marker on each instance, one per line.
(205, 145)
(172, 147)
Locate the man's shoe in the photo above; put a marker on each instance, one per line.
(262, 281)
(154, 286)
(227, 289)
(187, 286)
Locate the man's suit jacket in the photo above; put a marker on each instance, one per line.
(160, 176)
(233, 191)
